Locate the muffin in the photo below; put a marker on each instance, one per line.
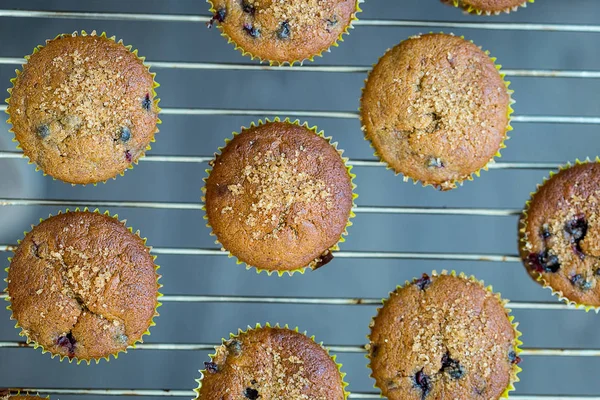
(279, 197)
(560, 234)
(488, 6)
(83, 109)
(82, 285)
(284, 31)
(444, 337)
(5, 395)
(271, 363)
(436, 109)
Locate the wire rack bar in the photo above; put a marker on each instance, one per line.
(331, 301)
(192, 394)
(340, 254)
(348, 349)
(545, 119)
(328, 68)
(198, 206)
(353, 162)
(587, 28)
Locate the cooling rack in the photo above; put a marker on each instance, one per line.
(361, 165)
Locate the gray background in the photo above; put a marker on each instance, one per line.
(297, 90)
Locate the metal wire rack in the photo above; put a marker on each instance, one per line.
(364, 163)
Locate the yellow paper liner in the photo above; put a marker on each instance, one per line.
(13, 393)
(516, 344)
(524, 253)
(115, 355)
(448, 185)
(340, 38)
(155, 100)
(342, 239)
(267, 325)
(473, 10)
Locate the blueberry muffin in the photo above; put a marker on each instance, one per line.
(83, 286)
(443, 337)
(488, 6)
(83, 108)
(279, 197)
(560, 234)
(436, 109)
(284, 31)
(271, 363)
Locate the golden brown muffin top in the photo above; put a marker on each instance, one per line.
(83, 108)
(442, 337)
(488, 5)
(279, 197)
(271, 363)
(562, 233)
(83, 286)
(284, 31)
(435, 109)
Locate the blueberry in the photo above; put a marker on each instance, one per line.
(544, 261)
(125, 134)
(424, 282)
(251, 394)
(577, 228)
(546, 231)
(374, 350)
(582, 283)
(121, 338)
(284, 30)
(248, 8)
(43, 131)
(128, 156)
(435, 162)
(452, 367)
(234, 346)
(331, 22)
(423, 382)
(513, 357)
(147, 102)
(211, 367)
(68, 342)
(324, 259)
(219, 16)
(252, 30)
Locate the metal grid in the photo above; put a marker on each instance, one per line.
(512, 258)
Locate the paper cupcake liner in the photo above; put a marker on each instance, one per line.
(239, 48)
(333, 248)
(6, 394)
(155, 102)
(36, 345)
(473, 10)
(516, 344)
(448, 185)
(267, 325)
(524, 253)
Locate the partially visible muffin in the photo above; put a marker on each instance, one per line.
(83, 108)
(279, 197)
(443, 337)
(436, 109)
(271, 363)
(82, 286)
(560, 234)
(284, 31)
(488, 6)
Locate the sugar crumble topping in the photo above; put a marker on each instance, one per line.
(275, 184)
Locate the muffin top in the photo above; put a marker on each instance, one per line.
(83, 286)
(443, 337)
(436, 109)
(488, 5)
(561, 237)
(83, 108)
(279, 197)
(284, 31)
(271, 363)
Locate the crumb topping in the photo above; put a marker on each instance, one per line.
(275, 185)
(299, 14)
